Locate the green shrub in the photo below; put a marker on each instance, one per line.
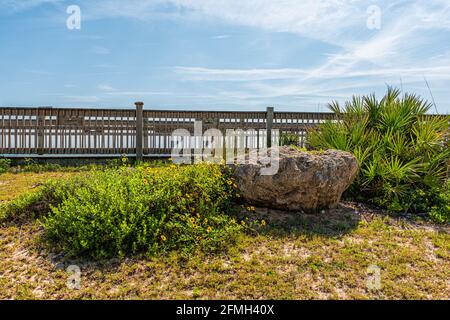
(121, 211)
(435, 201)
(400, 150)
(440, 210)
(289, 139)
(33, 166)
(5, 164)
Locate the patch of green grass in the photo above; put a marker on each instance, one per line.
(20, 207)
(19, 192)
(12, 185)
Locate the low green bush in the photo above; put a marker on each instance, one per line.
(115, 212)
(437, 203)
(31, 165)
(5, 164)
(403, 153)
(289, 139)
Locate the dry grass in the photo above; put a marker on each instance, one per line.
(13, 184)
(295, 257)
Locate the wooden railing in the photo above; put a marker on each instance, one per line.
(61, 131)
(90, 132)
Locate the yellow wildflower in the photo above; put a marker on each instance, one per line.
(163, 238)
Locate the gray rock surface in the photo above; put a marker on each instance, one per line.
(305, 181)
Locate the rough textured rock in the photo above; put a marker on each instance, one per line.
(305, 181)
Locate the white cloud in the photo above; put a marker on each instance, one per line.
(139, 93)
(194, 73)
(12, 6)
(243, 75)
(337, 21)
(222, 36)
(311, 18)
(327, 20)
(105, 87)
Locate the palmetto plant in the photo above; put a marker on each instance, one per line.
(398, 146)
(289, 139)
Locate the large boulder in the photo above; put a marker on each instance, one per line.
(304, 181)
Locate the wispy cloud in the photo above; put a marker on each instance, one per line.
(13, 6)
(222, 36)
(105, 87)
(248, 75)
(87, 37)
(100, 50)
(139, 93)
(207, 74)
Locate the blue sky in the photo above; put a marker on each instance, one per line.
(222, 54)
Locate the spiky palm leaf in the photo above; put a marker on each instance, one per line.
(398, 146)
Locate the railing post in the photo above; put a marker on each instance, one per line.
(40, 135)
(40, 132)
(139, 130)
(269, 125)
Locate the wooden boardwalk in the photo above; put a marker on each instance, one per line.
(47, 131)
(91, 132)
